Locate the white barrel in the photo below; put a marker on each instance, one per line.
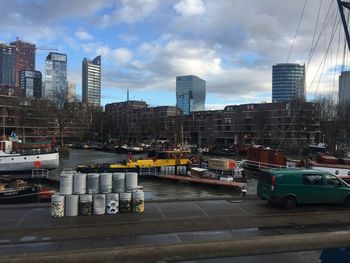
(112, 203)
(57, 205)
(99, 204)
(130, 181)
(106, 182)
(93, 183)
(66, 184)
(138, 201)
(71, 207)
(162, 170)
(125, 202)
(85, 205)
(118, 182)
(79, 183)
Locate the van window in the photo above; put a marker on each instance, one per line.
(332, 180)
(312, 179)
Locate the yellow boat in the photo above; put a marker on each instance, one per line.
(159, 159)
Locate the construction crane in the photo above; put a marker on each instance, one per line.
(18, 44)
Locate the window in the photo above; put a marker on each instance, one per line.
(312, 179)
(332, 180)
(227, 120)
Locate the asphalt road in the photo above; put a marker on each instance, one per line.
(30, 229)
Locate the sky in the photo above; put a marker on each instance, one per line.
(145, 44)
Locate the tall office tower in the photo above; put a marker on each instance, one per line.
(344, 89)
(25, 57)
(30, 84)
(92, 81)
(55, 74)
(190, 93)
(71, 91)
(7, 64)
(288, 82)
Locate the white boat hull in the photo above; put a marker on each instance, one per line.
(338, 171)
(12, 163)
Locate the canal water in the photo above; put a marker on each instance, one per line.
(155, 188)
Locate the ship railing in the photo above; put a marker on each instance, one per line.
(148, 171)
(40, 173)
(261, 165)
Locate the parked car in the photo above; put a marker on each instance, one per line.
(294, 186)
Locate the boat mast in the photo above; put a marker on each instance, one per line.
(341, 6)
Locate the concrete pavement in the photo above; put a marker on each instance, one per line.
(31, 230)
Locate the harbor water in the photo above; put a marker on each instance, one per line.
(154, 188)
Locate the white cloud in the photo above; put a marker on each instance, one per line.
(122, 56)
(190, 7)
(83, 35)
(130, 12)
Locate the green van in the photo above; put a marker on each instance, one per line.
(293, 186)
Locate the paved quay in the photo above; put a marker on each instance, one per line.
(28, 230)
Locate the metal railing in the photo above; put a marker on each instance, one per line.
(148, 171)
(40, 173)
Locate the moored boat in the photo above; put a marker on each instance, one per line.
(20, 157)
(126, 149)
(155, 160)
(19, 192)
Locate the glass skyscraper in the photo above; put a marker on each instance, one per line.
(288, 82)
(30, 84)
(55, 74)
(190, 93)
(7, 64)
(92, 81)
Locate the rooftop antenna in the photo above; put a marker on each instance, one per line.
(127, 95)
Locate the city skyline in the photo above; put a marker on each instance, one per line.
(146, 44)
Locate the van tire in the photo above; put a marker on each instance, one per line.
(347, 201)
(289, 202)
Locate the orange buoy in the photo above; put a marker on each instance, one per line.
(38, 164)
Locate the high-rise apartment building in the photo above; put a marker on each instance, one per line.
(344, 88)
(55, 74)
(30, 84)
(288, 82)
(25, 57)
(7, 65)
(190, 93)
(92, 81)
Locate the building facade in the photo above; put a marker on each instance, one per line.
(92, 81)
(344, 89)
(55, 74)
(71, 91)
(25, 57)
(190, 93)
(7, 65)
(288, 82)
(283, 124)
(30, 84)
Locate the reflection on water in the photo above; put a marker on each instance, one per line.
(155, 188)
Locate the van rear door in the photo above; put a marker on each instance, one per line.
(266, 183)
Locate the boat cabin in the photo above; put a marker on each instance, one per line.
(6, 146)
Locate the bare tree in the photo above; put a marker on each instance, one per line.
(329, 120)
(63, 111)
